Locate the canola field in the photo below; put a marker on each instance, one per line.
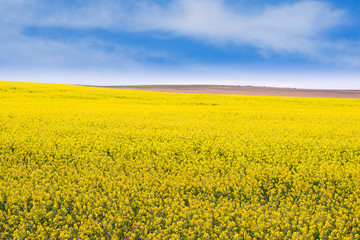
(89, 163)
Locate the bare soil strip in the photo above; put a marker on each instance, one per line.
(247, 90)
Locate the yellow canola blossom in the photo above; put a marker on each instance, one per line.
(89, 163)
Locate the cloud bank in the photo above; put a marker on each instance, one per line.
(296, 27)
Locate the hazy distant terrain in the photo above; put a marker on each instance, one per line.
(246, 90)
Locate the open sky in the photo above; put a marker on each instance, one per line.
(288, 43)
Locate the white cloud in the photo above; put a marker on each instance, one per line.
(21, 51)
(107, 14)
(294, 28)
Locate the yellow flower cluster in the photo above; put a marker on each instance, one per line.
(90, 163)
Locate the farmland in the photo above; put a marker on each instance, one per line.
(93, 163)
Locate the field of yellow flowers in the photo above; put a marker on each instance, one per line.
(89, 163)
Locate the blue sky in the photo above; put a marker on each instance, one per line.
(311, 44)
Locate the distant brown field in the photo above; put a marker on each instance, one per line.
(247, 90)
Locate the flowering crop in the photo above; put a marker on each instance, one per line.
(89, 163)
